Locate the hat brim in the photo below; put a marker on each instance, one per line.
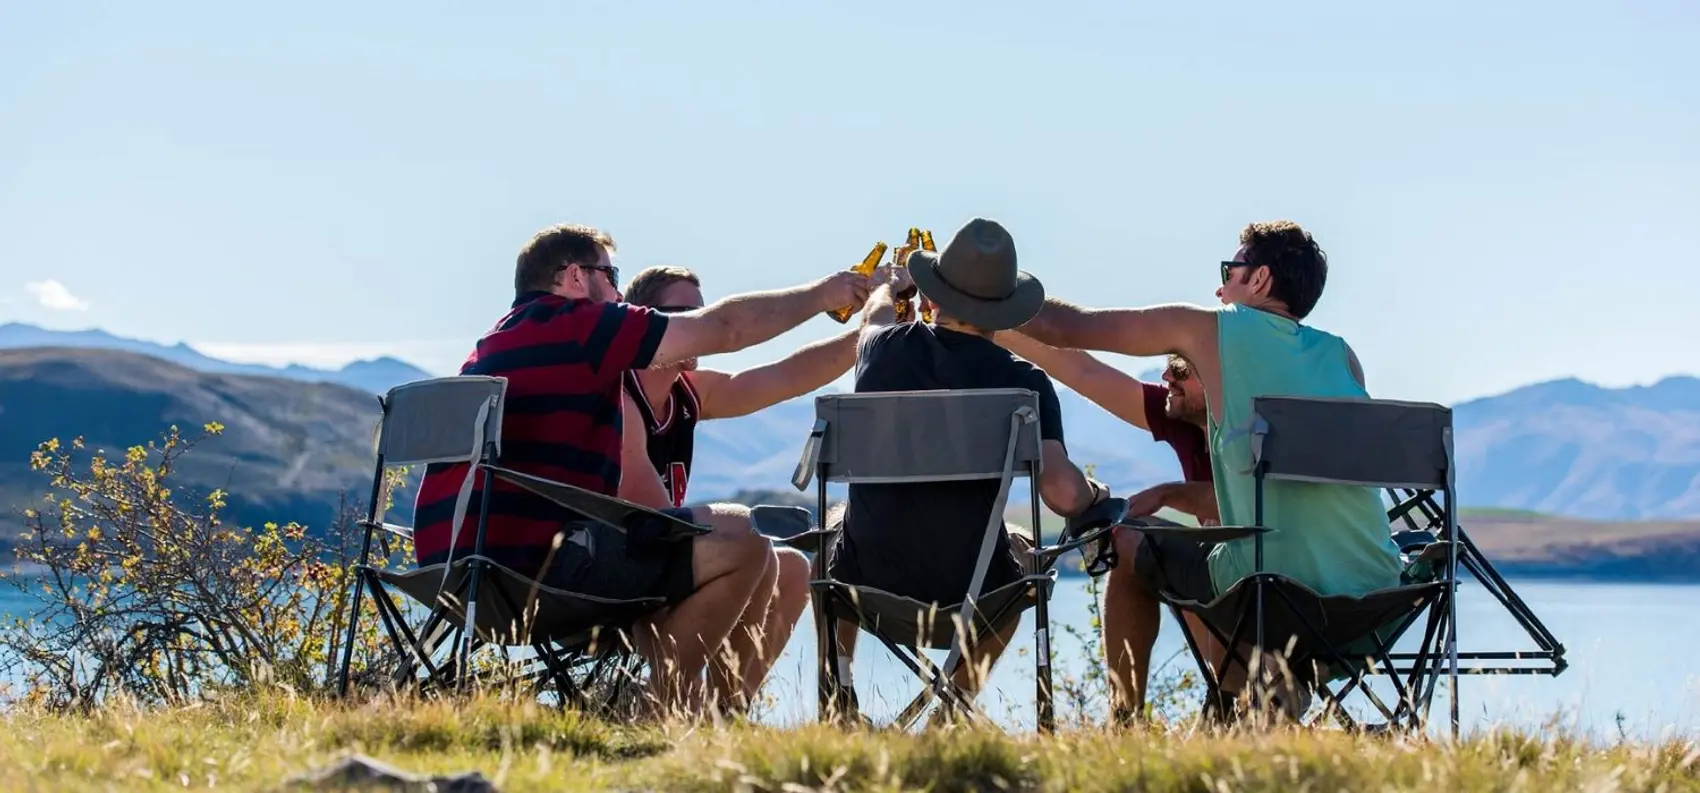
(1021, 305)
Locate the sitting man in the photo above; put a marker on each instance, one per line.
(1174, 413)
(662, 407)
(1332, 538)
(564, 347)
(923, 540)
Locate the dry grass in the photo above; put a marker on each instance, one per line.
(255, 743)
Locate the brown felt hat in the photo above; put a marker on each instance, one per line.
(975, 278)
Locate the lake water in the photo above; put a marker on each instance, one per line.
(1632, 663)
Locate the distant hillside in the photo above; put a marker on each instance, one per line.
(1572, 448)
(1568, 548)
(376, 376)
(1565, 448)
(288, 448)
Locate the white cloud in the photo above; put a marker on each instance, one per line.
(53, 295)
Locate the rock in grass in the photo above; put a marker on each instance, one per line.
(363, 773)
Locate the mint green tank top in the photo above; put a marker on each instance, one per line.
(1332, 538)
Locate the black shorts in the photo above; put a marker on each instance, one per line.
(597, 560)
(1176, 565)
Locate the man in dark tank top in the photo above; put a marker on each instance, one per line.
(661, 410)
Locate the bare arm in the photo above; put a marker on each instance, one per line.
(1062, 486)
(1197, 499)
(1178, 328)
(725, 396)
(639, 483)
(1109, 387)
(735, 323)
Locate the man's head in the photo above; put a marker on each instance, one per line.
(975, 280)
(1186, 394)
(1278, 266)
(569, 260)
(668, 290)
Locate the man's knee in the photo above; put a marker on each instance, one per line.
(793, 573)
(732, 540)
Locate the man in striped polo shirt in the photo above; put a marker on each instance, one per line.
(564, 346)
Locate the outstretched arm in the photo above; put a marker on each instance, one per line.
(735, 323)
(1109, 387)
(728, 395)
(1179, 328)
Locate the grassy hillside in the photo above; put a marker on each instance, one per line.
(288, 450)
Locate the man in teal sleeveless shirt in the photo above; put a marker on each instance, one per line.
(1332, 538)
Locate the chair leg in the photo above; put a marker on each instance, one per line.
(835, 704)
(1042, 658)
(348, 640)
(463, 670)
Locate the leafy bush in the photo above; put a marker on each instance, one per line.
(150, 596)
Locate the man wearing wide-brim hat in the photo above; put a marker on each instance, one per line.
(923, 540)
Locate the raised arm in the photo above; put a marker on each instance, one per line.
(728, 395)
(741, 321)
(1179, 328)
(881, 310)
(1109, 387)
(639, 483)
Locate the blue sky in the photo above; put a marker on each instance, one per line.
(1508, 192)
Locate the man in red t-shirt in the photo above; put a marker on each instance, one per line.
(1174, 413)
(564, 347)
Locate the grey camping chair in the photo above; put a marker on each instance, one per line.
(873, 438)
(1323, 638)
(472, 601)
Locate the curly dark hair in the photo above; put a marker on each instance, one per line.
(1297, 265)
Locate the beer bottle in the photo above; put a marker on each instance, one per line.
(870, 263)
(900, 258)
(927, 245)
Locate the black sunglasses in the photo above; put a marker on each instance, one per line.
(612, 271)
(674, 309)
(1227, 269)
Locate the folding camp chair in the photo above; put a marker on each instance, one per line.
(575, 637)
(1425, 525)
(990, 434)
(1321, 638)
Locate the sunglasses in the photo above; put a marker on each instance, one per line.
(610, 270)
(674, 309)
(1228, 268)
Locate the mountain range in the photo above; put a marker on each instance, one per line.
(377, 375)
(295, 435)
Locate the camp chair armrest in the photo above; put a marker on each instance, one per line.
(1101, 515)
(1202, 533)
(392, 528)
(812, 541)
(615, 513)
(1050, 553)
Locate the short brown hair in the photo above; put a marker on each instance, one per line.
(646, 287)
(1298, 268)
(1179, 367)
(550, 250)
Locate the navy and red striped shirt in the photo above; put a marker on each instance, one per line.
(563, 360)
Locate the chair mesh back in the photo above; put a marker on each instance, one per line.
(924, 436)
(434, 421)
(1375, 442)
